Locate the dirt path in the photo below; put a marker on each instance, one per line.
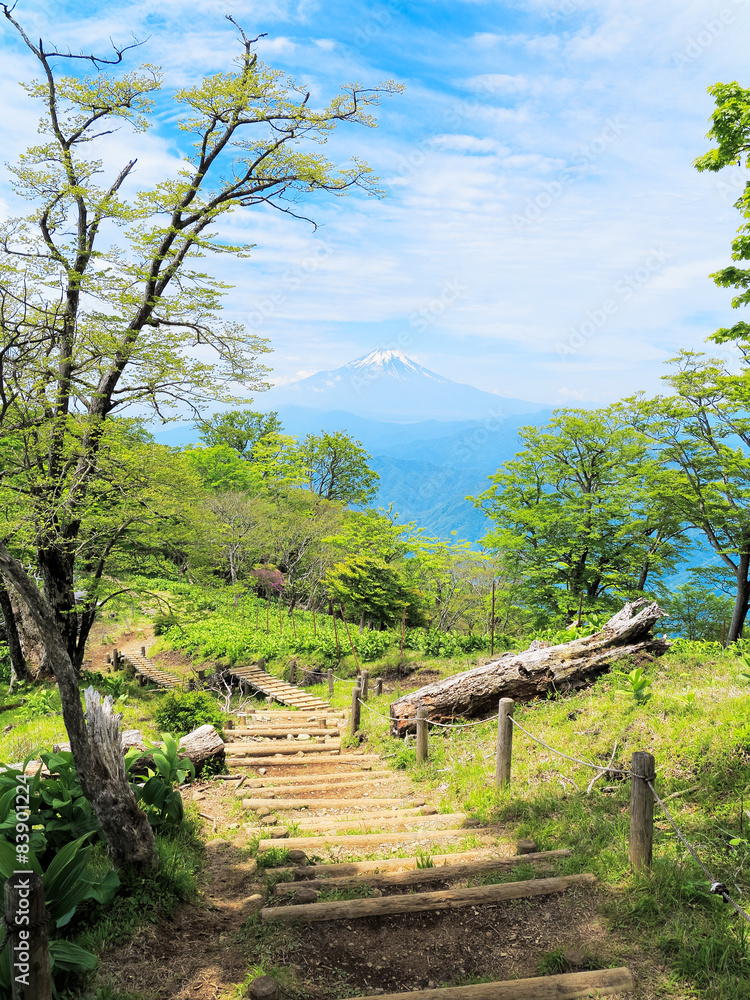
(207, 950)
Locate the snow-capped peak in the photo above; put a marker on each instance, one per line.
(387, 362)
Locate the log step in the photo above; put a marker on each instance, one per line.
(302, 759)
(335, 827)
(419, 902)
(287, 791)
(366, 820)
(444, 872)
(338, 868)
(331, 779)
(281, 734)
(255, 750)
(286, 804)
(358, 839)
(567, 986)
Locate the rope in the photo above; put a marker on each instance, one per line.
(442, 725)
(717, 888)
(576, 760)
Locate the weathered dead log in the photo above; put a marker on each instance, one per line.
(202, 745)
(539, 669)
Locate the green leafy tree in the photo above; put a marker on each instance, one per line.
(702, 435)
(102, 308)
(698, 613)
(240, 429)
(731, 128)
(581, 510)
(375, 591)
(336, 468)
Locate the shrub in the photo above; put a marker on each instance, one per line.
(180, 712)
(164, 622)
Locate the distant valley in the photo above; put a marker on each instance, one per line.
(428, 460)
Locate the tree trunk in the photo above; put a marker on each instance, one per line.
(741, 601)
(130, 839)
(18, 666)
(527, 675)
(94, 740)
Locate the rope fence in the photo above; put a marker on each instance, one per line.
(642, 777)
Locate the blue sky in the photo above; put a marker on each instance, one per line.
(544, 234)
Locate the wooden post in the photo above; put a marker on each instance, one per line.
(281, 626)
(356, 708)
(421, 735)
(115, 659)
(365, 684)
(335, 629)
(330, 683)
(201, 675)
(293, 672)
(504, 742)
(264, 988)
(378, 685)
(492, 623)
(403, 633)
(28, 947)
(268, 602)
(349, 636)
(291, 612)
(143, 651)
(641, 809)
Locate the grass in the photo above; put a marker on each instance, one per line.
(697, 725)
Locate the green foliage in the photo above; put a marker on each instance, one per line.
(163, 623)
(114, 685)
(731, 127)
(240, 429)
(698, 613)
(582, 510)
(636, 685)
(336, 468)
(370, 587)
(424, 859)
(180, 712)
(38, 702)
(273, 857)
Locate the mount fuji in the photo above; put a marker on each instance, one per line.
(386, 385)
(432, 441)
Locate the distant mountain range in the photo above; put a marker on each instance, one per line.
(433, 441)
(386, 385)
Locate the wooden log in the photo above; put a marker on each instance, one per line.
(308, 791)
(251, 803)
(419, 902)
(305, 760)
(369, 839)
(523, 676)
(325, 781)
(28, 947)
(356, 708)
(421, 735)
(234, 750)
(378, 685)
(567, 986)
(641, 810)
(504, 752)
(324, 871)
(329, 828)
(279, 733)
(264, 988)
(445, 872)
(201, 746)
(370, 817)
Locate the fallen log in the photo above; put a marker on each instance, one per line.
(539, 669)
(202, 745)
